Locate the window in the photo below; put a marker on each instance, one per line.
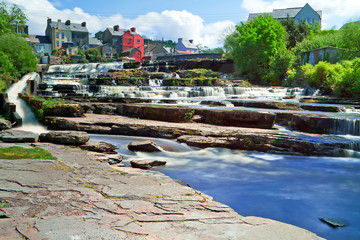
(57, 35)
(57, 43)
(75, 43)
(116, 39)
(75, 36)
(129, 40)
(62, 43)
(69, 50)
(68, 40)
(62, 35)
(138, 41)
(138, 54)
(84, 42)
(109, 48)
(138, 48)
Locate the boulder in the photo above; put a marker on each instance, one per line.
(65, 137)
(64, 110)
(111, 159)
(4, 124)
(144, 146)
(146, 164)
(101, 147)
(17, 136)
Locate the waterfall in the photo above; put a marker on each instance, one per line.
(348, 126)
(29, 121)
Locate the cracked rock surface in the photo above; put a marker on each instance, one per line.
(79, 197)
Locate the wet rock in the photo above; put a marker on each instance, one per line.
(16, 136)
(64, 110)
(144, 146)
(65, 137)
(321, 108)
(4, 124)
(146, 164)
(102, 147)
(335, 222)
(111, 159)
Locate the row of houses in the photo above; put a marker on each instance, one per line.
(68, 38)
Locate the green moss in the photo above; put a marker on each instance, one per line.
(25, 153)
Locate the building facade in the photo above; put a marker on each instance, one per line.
(123, 39)
(186, 47)
(306, 14)
(67, 34)
(41, 44)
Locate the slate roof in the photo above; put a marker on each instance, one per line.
(39, 39)
(281, 13)
(120, 32)
(76, 27)
(129, 52)
(95, 42)
(188, 44)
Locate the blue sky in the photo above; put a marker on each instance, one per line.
(205, 21)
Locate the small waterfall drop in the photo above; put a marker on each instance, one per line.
(29, 121)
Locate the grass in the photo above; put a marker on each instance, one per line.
(25, 153)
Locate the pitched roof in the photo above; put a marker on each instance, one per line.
(188, 44)
(77, 27)
(182, 52)
(129, 52)
(120, 32)
(95, 41)
(281, 13)
(39, 39)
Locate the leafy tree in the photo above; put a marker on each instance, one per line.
(18, 53)
(351, 37)
(257, 47)
(11, 19)
(295, 32)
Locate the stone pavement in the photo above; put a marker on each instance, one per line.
(78, 197)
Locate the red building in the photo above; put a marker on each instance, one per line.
(122, 39)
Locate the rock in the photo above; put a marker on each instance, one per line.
(65, 137)
(334, 222)
(16, 136)
(144, 146)
(4, 124)
(321, 108)
(64, 110)
(102, 147)
(146, 164)
(111, 159)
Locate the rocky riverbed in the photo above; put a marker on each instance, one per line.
(79, 197)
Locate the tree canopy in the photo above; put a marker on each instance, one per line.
(257, 47)
(16, 56)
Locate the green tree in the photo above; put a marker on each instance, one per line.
(11, 18)
(351, 37)
(18, 53)
(257, 47)
(295, 32)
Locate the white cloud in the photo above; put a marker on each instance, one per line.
(335, 12)
(167, 24)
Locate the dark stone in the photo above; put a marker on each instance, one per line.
(65, 137)
(335, 222)
(111, 159)
(146, 164)
(64, 110)
(4, 124)
(321, 108)
(144, 146)
(102, 147)
(17, 136)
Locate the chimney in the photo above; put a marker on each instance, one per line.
(83, 24)
(180, 40)
(67, 22)
(59, 24)
(133, 29)
(116, 28)
(191, 41)
(49, 20)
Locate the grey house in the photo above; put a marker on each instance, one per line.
(154, 50)
(186, 47)
(41, 44)
(306, 13)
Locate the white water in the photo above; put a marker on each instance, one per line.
(29, 121)
(85, 68)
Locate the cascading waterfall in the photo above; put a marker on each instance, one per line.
(29, 121)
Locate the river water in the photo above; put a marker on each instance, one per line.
(293, 189)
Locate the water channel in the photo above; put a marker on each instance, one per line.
(294, 189)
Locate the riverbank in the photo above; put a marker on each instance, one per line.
(78, 197)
